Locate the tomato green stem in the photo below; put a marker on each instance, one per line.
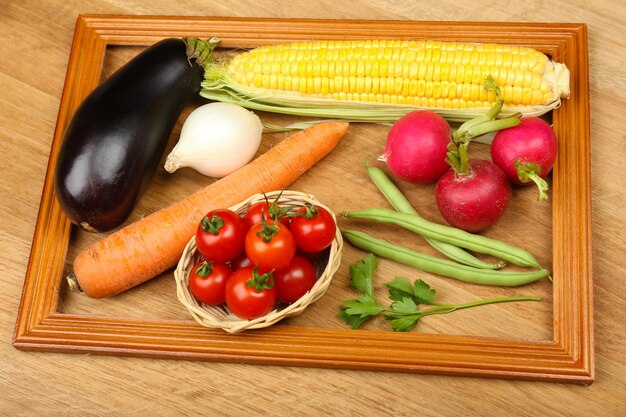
(273, 210)
(268, 231)
(205, 269)
(261, 282)
(310, 212)
(212, 225)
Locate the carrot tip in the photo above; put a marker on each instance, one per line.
(72, 282)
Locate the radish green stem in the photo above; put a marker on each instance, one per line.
(493, 126)
(541, 184)
(463, 159)
(490, 115)
(458, 156)
(530, 172)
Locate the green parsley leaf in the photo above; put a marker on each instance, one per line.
(362, 272)
(399, 288)
(423, 292)
(353, 321)
(403, 323)
(420, 291)
(404, 315)
(406, 305)
(364, 306)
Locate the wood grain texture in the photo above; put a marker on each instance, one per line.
(70, 384)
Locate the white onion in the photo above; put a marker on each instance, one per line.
(216, 139)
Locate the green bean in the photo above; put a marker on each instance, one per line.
(458, 237)
(440, 266)
(400, 203)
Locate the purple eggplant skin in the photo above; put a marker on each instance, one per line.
(118, 135)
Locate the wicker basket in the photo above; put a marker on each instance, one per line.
(220, 316)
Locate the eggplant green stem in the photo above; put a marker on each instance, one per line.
(201, 51)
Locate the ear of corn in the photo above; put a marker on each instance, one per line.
(381, 80)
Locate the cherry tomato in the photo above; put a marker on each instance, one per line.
(207, 282)
(313, 228)
(295, 280)
(241, 262)
(249, 294)
(310, 256)
(270, 246)
(220, 235)
(257, 211)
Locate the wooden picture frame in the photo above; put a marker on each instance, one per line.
(566, 358)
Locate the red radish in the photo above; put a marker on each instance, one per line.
(526, 152)
(473, 195)
(476, 200)
(416, 147)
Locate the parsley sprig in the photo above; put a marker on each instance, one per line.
(358, 312)
(406, 297)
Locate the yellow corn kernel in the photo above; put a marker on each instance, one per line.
(360, 85)
(398, 86)
(367, 85)
(421, 88)
(376, 86)
(272, 82)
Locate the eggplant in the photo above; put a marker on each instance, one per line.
(117, 136)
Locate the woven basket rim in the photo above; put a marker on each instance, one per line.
(219, 316)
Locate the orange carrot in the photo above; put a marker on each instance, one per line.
(146, 248)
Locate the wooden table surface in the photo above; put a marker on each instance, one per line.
(35, 39)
